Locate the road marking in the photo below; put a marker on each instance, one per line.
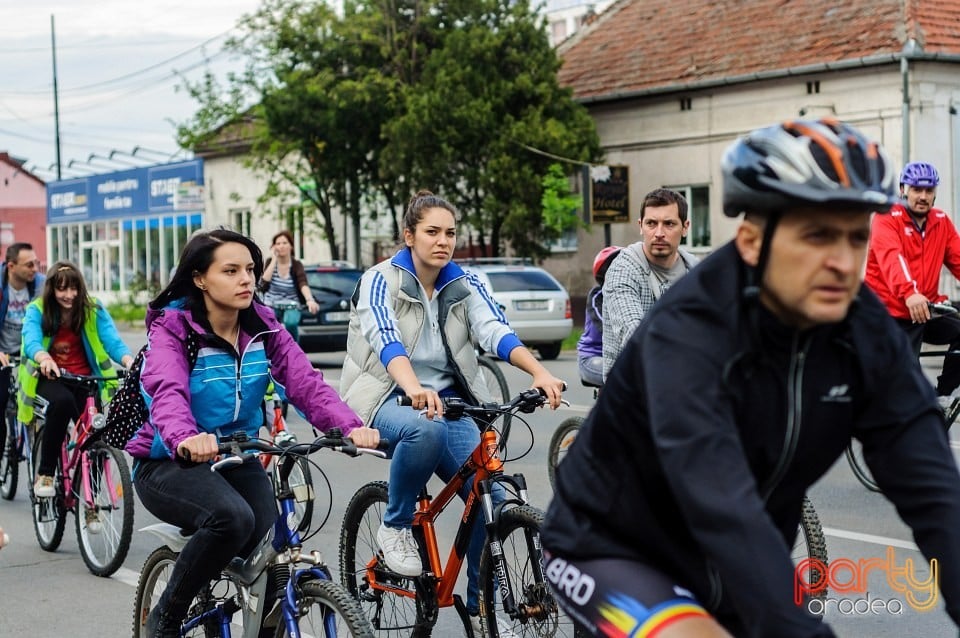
(869, 538)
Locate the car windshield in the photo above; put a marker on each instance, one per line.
(334, 281)
(517, 280)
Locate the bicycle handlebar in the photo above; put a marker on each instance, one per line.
(235, 446)
(79, 378)
(942, 309)
(455, 407)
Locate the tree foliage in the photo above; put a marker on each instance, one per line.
(458, 96)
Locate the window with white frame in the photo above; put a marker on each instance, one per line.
(698, 206)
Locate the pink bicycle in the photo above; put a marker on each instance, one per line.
(92, 480)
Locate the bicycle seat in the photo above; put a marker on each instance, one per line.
(589, 384)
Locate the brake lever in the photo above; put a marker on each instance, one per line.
(226, 462)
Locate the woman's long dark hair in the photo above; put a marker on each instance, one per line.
(60, 276)
(196, 258)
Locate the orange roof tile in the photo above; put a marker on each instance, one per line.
(639, 46)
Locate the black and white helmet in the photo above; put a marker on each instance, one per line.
(804, 162)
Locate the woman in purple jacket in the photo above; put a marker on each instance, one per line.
(216, 390)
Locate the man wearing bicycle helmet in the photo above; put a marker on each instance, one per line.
(774, 357)
(908, 249)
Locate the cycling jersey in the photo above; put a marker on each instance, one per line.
(714, 423)
(618, 598)
(904, 260)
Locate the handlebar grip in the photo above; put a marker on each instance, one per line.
(943, 309)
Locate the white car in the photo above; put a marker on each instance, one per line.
(534, 302)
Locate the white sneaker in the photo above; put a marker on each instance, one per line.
(945, 402)
(503, 628)
(92, 518)
(43, 488)
(400, 551)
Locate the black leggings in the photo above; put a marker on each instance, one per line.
(66, 402)
(230, 510)
(618, 597)
(938, 331)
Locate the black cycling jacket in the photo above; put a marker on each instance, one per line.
(713, 424)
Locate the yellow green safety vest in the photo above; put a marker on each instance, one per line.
(28, 374)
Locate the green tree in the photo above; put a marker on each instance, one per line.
(559, 204)
(488, 94)
(396, 96)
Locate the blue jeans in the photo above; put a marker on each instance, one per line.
(418, 448)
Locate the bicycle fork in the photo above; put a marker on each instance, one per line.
(491, 517)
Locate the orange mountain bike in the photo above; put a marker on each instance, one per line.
(514, 597)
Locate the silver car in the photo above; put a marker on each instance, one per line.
(534, 302)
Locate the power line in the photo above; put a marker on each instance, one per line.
(152, 66)
(132, 74)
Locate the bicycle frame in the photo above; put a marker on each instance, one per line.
(250, 575)
(73, 452)
(485, 464)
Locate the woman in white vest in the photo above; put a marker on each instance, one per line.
(414, 321)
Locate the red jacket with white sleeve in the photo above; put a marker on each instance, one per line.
(904, 260)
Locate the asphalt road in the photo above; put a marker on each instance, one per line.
(52, 594)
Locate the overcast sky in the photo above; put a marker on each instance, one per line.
(116, 67)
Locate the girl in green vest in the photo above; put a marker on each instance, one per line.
(64, 329)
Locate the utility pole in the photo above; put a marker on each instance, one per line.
(56, 98)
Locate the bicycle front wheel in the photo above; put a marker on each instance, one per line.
(563, 437)
(538, 613)
(854, 454)
(49, 514)
(328, 610)
(10, 459)
(104, 515)
(390, 612)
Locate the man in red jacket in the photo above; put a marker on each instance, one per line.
(908, 249)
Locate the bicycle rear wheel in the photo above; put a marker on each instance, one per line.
(811, 544)
(301, 482)
(854, 453)
(49, 514)
(496, 384)
(539, 614)
(390, 614)
(563, 437)
(154, 576)
(105, 522)
(10, 459)
(328, 610)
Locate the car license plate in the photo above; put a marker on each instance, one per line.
(337, 316)
(531, 305)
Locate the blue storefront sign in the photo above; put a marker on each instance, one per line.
(129, 193)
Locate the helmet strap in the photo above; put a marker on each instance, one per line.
(755, 274)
